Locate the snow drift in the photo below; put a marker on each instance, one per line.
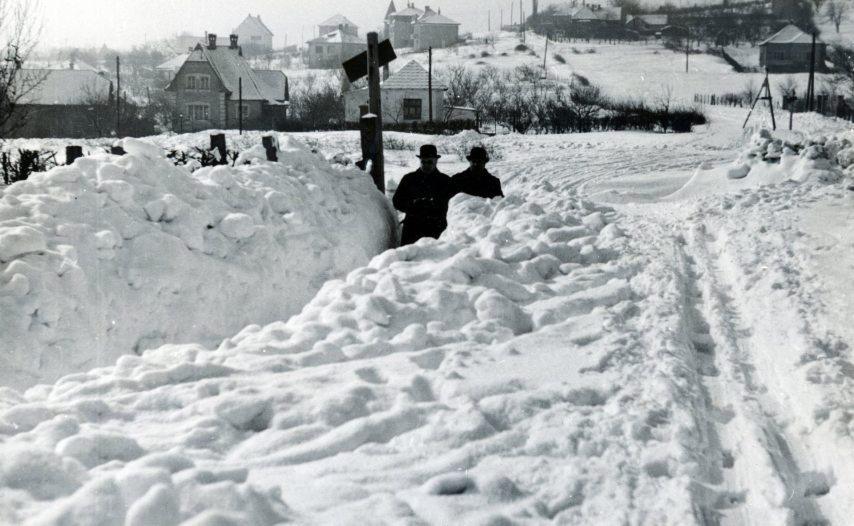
(113, 255)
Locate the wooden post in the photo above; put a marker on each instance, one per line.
(118, 97)
(375, 106)
(367, 133)
(811, 82)
(430, 84)
(271, 147)
(117, 150)
(240, 105)
(72, 153)
(218, 143)
(687, 43)
(546, 56)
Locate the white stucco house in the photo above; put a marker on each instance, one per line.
(405, 97)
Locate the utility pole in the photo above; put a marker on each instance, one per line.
(811, 82)
(375, 103)
(430, 82)
(522, 20)
(546, 56)
(687, 41)
(240, 105)
(489, 21)
(118, 97)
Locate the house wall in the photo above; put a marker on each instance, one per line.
(435, 35)
(332, 54)
(392, 105)
(258, 117)
(401, 31)
(214, 97)
(791, 58)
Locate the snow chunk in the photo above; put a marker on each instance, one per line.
(17, 241)
(237, 226)
(493, 306)
(98, 448)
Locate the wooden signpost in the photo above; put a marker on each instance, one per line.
(371, 125)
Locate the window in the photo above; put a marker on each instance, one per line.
(245, 110)
(204, 82)
(198, 112)
(191, 82)
(779, 55)
(255, 38)
(319, 50)
(412, 109)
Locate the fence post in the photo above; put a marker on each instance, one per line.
(218, 142)
(72, 153)
(271, 146)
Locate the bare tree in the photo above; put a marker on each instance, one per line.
(19, 32)
(836, 11)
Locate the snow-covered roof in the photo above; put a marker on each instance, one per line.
(229, 66)
(338, 37)
(408, 12)
(437, 19)
(653, 20)
(337, 20)
(173, 64)
(412, 76)
(58, 87)
(251, 23)
(791, 34)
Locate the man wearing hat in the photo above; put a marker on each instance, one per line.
(475, 180)
(423, 196)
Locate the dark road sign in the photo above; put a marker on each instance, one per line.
(357, 67)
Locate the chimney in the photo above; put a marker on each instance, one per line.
(211, 41)
(232, 39)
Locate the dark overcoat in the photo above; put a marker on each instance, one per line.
(479, 185)
(424, 199)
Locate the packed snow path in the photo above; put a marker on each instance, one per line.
(661, 359)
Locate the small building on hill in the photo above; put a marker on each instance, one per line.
(432, 29)
(337, 22)
(167, 70)
(330, 50)
(405, 97)
(789, 51)
(646, 25)
(588, 20)
(255, 37)
(207, 90)
(63, 103)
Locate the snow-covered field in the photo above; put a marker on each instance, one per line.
(649, 329)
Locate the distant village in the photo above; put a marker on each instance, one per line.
(238, 79)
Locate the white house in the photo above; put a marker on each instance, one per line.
(255, 36)
(405, 97)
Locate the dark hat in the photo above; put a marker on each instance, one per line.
(478, 153)
(428, 151)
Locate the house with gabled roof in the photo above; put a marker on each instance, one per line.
(60, 103)
(255, 36)
(329, 50)
(789, 51)
(405, 97)
(399, 26)
(337, 22)
(432, 29)
(216, 87)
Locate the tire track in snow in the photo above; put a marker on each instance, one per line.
(750, 474)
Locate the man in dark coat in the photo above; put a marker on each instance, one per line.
(475, 180)
(423, 196)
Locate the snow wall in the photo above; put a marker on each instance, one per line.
(112, 255)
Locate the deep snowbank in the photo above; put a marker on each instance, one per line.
(113, 255)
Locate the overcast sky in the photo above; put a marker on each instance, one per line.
(123, 23)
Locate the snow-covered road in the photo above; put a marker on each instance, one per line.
(629, 337)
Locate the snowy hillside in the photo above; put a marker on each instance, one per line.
(649, 329)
